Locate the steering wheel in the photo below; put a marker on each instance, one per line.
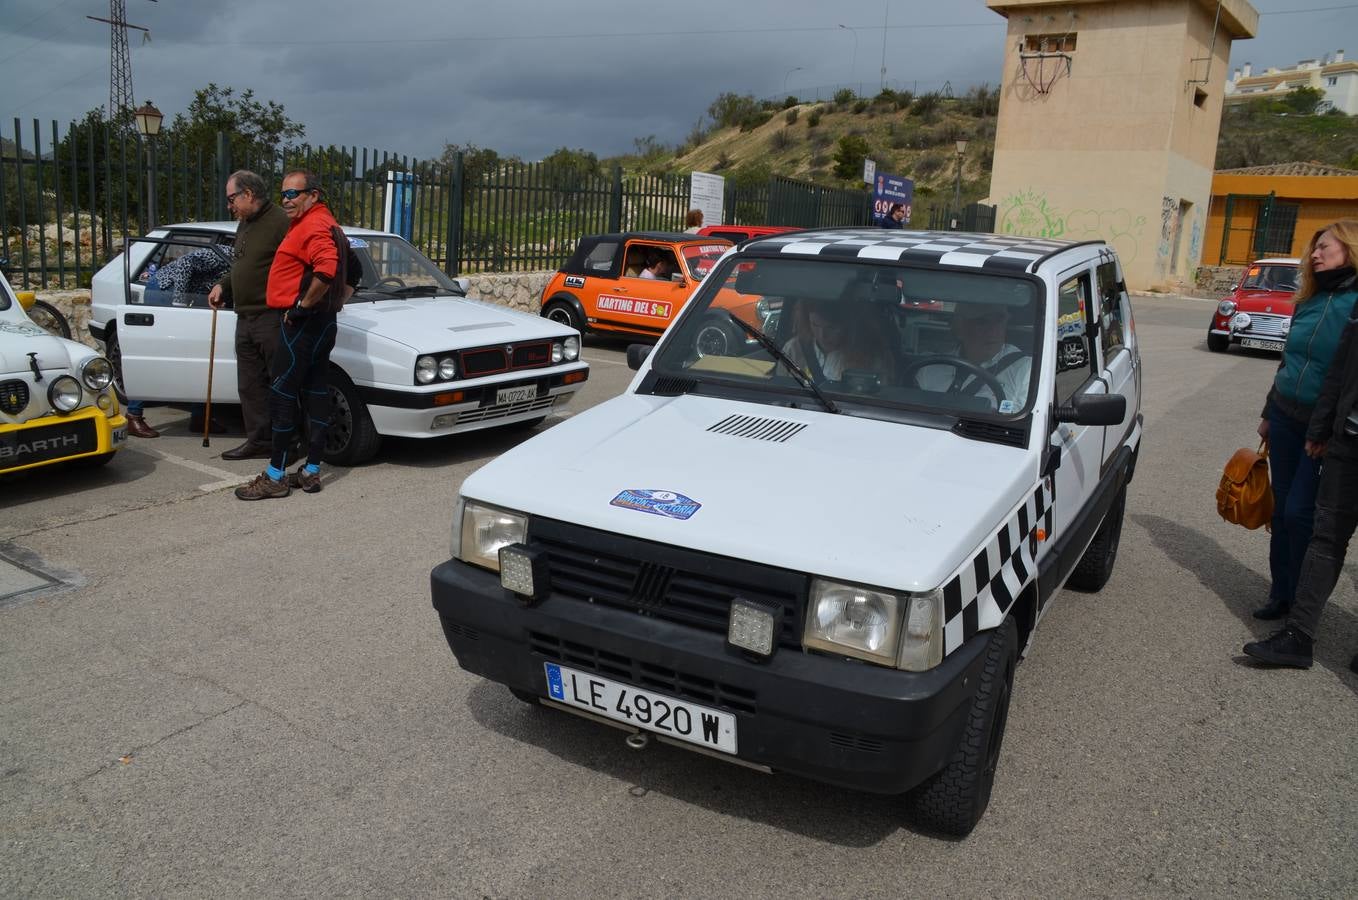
(959, 364)
(390, 279)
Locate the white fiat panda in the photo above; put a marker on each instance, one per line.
(819, 549)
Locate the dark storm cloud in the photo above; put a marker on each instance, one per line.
(527, 76)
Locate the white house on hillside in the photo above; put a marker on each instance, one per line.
(1335, 76)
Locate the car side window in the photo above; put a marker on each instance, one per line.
(1112, 329)
(185, 242)
(639, 255)
(600, 259)
(1075, 358)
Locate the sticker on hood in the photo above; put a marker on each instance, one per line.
(659, 503)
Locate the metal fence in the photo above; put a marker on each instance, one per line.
(68, 204)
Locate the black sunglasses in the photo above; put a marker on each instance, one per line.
(294, 193)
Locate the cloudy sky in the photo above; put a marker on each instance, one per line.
(527, 76)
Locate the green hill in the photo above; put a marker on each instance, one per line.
(916, 137)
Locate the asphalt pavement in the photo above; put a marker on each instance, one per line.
(213, 698)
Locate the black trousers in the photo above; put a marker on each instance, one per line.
(301, 366)
(256, 341)
(1336, 517)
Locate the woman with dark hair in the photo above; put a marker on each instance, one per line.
(1324, 302)
(1332, 436)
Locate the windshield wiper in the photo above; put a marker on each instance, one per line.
(776, 352)
(413, 290)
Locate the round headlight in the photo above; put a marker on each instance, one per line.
(426, 369)
(448, 368)
(96, 373)
(1240, 322)
(1226, 307)
(572, 348)
(557, 353)
(64, 394)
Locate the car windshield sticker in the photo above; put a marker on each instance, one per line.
(357, 243)
(1007, 406)
(659, 503)
(651, 308)
(575, 281)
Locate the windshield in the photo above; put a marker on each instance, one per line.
(866, 335)
(1270, 278)
(700, 258)
(394, 268)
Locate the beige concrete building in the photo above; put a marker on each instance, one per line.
(1109, 113)
(1335, 77)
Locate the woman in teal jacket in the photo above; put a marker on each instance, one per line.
(1324, 300)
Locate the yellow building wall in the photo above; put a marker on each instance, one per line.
(1323, 199)
(1122, 146)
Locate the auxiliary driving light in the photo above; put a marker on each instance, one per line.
(523, 571)
(752, 626)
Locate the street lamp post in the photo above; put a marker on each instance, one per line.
(957, 197)
(789, 73)
(854, 66)
(148, 120)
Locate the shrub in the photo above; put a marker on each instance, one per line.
(860, 106)
(819, 140)
(723, 161)
(926, 104)
(903, 99)
(790, 102)
(844, 96)
(790, 117)
(814, 119)
(781, 140)
(849, 155)
(754, 120)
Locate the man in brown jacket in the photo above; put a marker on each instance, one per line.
(262, 225)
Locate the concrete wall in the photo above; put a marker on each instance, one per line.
(521, 291)
(1121, 146)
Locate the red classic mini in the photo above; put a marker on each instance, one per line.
(1258, 313)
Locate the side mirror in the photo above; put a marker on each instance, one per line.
(636, 355)
(1093, 409)
(1236, 286)
(463, 283)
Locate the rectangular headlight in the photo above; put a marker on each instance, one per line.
(854, 620)
(485, 529)
(922, 638)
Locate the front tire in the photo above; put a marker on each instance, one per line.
(1218, 343)
(563, 313)
(1096, 566)
(952, 800)
(351, 437)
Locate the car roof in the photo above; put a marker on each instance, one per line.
(1276, 260)
(944, 248)
(675, 236)
(229, 227)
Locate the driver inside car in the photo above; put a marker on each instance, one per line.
(981, 331)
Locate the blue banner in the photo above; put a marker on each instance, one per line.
(887, 192)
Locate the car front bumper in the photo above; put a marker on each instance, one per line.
(842, 722)
(87, 432)
(455, 408)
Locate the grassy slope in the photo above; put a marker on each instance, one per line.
(922, 146)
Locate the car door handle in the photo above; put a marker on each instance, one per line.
(139, 319)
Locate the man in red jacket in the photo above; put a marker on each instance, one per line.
(308, 281)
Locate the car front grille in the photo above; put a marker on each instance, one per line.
(1265, 325)
(13, 396)
(665, 582)
(648, 675)
(506, 358)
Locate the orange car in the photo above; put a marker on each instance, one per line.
(632, 283)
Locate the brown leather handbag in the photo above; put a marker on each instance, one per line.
(1244, 496)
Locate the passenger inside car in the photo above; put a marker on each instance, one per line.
(831, 338)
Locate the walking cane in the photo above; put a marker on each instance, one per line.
(211, 358)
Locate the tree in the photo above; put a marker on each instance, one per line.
(850, 152)
(477, 162)
(731, 109)
(1303, 100)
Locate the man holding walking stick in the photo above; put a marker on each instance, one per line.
(262, 226)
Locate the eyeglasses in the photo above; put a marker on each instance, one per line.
(231, 198)
(294, 193)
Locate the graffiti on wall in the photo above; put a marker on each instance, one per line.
(1032, 215)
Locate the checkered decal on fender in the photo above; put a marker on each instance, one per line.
(949, 248)
(984, 588)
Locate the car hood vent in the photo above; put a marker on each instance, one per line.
(757, 428)
(477, 326)
(669, 386)
(986, 431)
